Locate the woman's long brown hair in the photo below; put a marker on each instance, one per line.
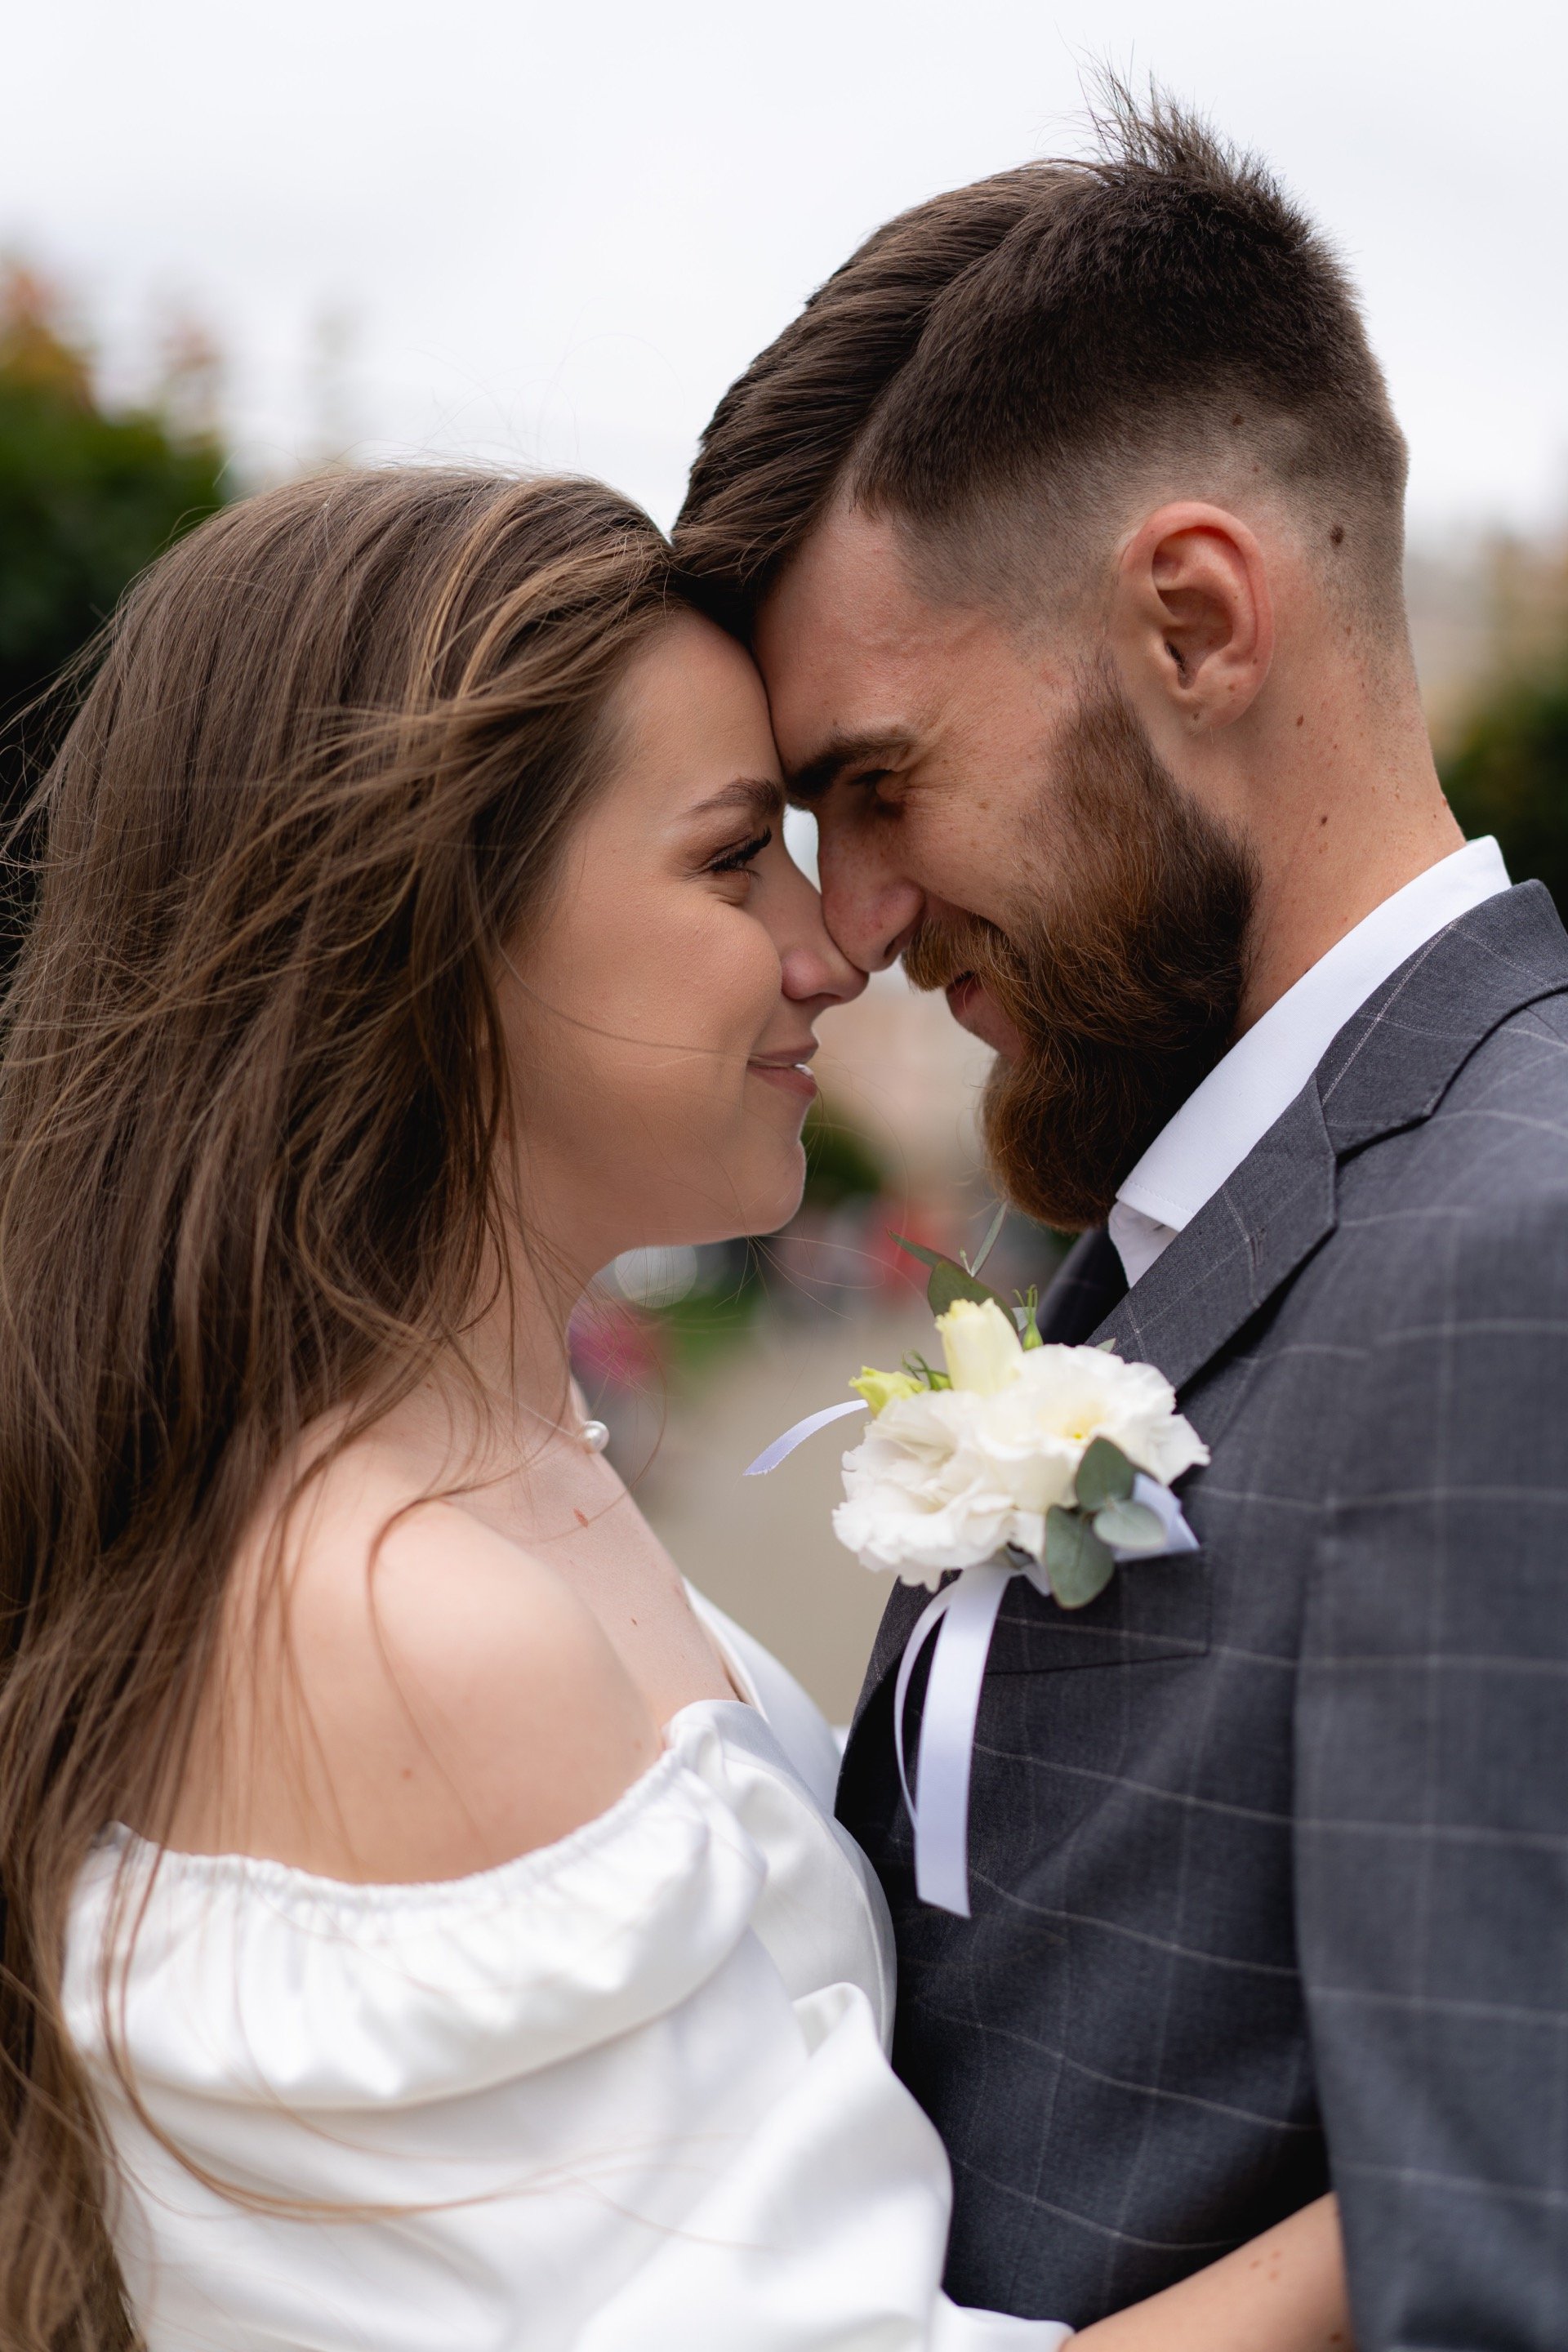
(250, 1097)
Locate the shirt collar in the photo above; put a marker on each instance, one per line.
(1266, 1068)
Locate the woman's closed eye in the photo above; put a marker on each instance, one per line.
(742, 856)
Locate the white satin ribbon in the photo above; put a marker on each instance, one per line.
(771, 1455)
(966, 1614)
(962, 1617)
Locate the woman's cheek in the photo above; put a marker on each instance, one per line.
(719, 987)
(755, 986)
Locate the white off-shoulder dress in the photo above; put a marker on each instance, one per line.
(627, 2094)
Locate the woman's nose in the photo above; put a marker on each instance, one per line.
(814, 965)
(817, 969)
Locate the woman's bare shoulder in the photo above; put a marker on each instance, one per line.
(430, 1699)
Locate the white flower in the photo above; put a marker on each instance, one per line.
(982, 1348)
(944, 1479)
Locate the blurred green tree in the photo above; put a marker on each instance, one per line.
(841, 1162)
(88, 495)
(1507, 771)
(1503, 755)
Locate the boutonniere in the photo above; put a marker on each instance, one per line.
(1015, 1458)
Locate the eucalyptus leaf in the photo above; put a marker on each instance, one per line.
(948, 1282)
(918, 1249)
(1130, 1527)
(1077, 1564)
(1104, 1476)
(989, 1244)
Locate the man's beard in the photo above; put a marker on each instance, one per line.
(1125, 991)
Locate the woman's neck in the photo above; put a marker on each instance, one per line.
(511, 1371)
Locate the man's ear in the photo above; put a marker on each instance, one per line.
(1191, 621)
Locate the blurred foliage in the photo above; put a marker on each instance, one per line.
(842, 1167)
(841, 1162)
(1503, 756)
(1507, 772)
(88, 495)
(706, 1324)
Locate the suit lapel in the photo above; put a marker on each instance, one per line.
(1394, 1061)
(1242, 1244)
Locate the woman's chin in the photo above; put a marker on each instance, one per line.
(759, 1197)
(776, 1202)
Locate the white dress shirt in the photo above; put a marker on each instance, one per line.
(1266, 1068)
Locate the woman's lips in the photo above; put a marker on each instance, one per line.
(790, 1077)
(975, 1009)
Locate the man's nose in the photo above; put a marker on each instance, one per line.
(871, 908)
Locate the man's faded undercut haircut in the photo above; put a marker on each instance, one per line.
(1007, 369)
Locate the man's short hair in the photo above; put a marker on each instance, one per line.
(1043, 346)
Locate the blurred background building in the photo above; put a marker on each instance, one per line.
(245, 244)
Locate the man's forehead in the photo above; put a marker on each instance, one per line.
(848, 648)
(849, 584)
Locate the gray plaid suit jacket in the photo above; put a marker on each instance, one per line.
(1270, 1845)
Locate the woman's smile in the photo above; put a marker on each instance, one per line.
(789, 1070)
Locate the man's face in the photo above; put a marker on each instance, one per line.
(1001, 819)
(916, 733)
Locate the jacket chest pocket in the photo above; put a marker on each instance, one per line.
(1153, 1611)
(1057, 1817)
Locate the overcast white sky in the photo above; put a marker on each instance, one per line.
(554, 233)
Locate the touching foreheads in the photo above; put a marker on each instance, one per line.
(1014, 370)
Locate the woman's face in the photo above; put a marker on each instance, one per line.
(659, 1019)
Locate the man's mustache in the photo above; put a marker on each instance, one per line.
(941, 951)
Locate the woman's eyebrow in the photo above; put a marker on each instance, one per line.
(758, 796)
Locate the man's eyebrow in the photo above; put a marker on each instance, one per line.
(817, 776)
(758, 796)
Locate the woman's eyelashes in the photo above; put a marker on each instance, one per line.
(742, 854)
